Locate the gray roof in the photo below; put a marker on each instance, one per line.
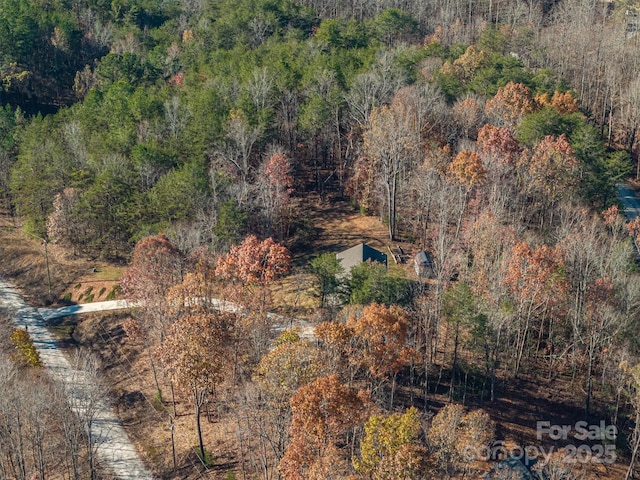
(360, 253)
(511, 468)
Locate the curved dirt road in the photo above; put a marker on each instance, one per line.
(115, 451)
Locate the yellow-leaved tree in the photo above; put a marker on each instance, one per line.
(26, 353)
(391, 448)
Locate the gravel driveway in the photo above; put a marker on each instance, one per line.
(115, 450)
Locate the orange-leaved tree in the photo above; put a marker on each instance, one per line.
(381, 347)
(563, 103)
(510, 104)
(324, 413)
(536, 278)
(195, 356)
(254, 262)
(467, 169)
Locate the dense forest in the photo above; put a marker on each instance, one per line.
(191, 139)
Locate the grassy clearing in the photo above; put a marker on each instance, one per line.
(295, 295)
(24, 263)
(104, 273)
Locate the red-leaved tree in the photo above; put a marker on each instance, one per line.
(535, 276)
(156, 266)
(498, 144)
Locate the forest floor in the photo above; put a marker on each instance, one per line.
(520, 403)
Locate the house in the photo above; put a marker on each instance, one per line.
(423, 264)
(360, 253)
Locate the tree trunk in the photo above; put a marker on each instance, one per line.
(198, 399)
(153, 368)
(173, 400)
(587, 403)
(393, 391)
(454, 363)
(389, 207)
(636, 445)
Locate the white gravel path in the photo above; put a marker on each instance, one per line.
(51, 313)
(115, 450)
(279, 322)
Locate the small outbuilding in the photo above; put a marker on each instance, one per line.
(512, 468)
(360, 253)
(423, 264)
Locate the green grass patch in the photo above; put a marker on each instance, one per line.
(207, 461)
(158, 404)
(107, 273)
(101, 292)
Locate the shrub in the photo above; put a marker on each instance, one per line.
(158, 404)
(207, 461)
(26, 353)
(370, 282)
(115, 291)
